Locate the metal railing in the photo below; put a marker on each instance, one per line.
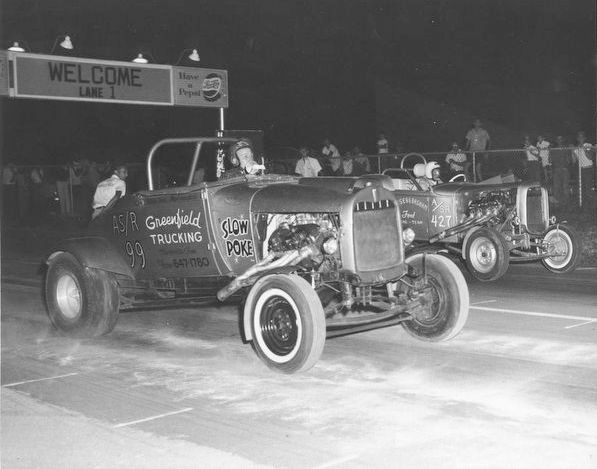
(60, 195)
(480, 166)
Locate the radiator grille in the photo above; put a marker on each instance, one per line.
(536, 216)
(376, 235)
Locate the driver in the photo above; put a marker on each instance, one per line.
(242, 160)
(431, 176)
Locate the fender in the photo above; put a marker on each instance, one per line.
(94, 252)
(466, 238)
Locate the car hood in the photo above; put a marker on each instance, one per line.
(320, 194)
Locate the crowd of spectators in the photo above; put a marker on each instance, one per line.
(556, 164)
(34, 193)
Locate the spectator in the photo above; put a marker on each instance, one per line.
(531, 163)
(199, 175)
(23, 194)
(456, 160)
(347, 164)
(307, 166)
(77, 170)
(109, 190)
(334, 166)
(583, 158)
(329, 149)
(478, 142)
(383, 146)
(37, 177)
(9, 191)
(561, 160)
(543, 147)
(360, 163)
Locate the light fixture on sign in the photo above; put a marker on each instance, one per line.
(140, 59)
(65, 43)
(190, 59)
(194, 56)
(16, 47)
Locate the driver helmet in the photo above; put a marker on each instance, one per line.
(235, 147)
(432, 170)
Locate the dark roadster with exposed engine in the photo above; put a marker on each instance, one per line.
(488, 224)
(306, 257)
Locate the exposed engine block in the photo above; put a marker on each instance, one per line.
(289, 232)
(491, 204)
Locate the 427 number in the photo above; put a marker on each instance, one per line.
(442, 221)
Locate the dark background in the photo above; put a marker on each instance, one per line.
(300, 70)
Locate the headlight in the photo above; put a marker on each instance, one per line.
(408, 235)
(330, 245)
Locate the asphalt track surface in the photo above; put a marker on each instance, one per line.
(178, 388)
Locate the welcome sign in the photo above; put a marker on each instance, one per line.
(50, 77)
(24, 75)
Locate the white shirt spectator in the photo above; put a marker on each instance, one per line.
(581, 154)
(543, 147)
(107, 189)
(8, 175)
(382, 145)
(308, 167)
(532, 153)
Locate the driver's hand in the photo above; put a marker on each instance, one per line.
(255, 168)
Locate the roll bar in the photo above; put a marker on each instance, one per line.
(198, 141)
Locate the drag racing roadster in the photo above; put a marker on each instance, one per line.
(307, 258)
(488, 224)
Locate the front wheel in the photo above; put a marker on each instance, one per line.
(287, 322)
(442, 296)
(561, 243)
(487, 254)
(80, 301)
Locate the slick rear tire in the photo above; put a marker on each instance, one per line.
(443, 298)
(487, 254)
(561, 242)
(287, 323)
(80, 301)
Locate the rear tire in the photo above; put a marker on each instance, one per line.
(287, 323)
(487, 254)
(80, 301)
(444, 299)
(562, 242)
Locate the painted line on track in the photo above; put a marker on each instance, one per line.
(584, 323)
(336, 462)
(482, 302)
(18, 383)
(154, 417)
(533, 313)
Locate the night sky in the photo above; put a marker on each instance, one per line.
(301, 70)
